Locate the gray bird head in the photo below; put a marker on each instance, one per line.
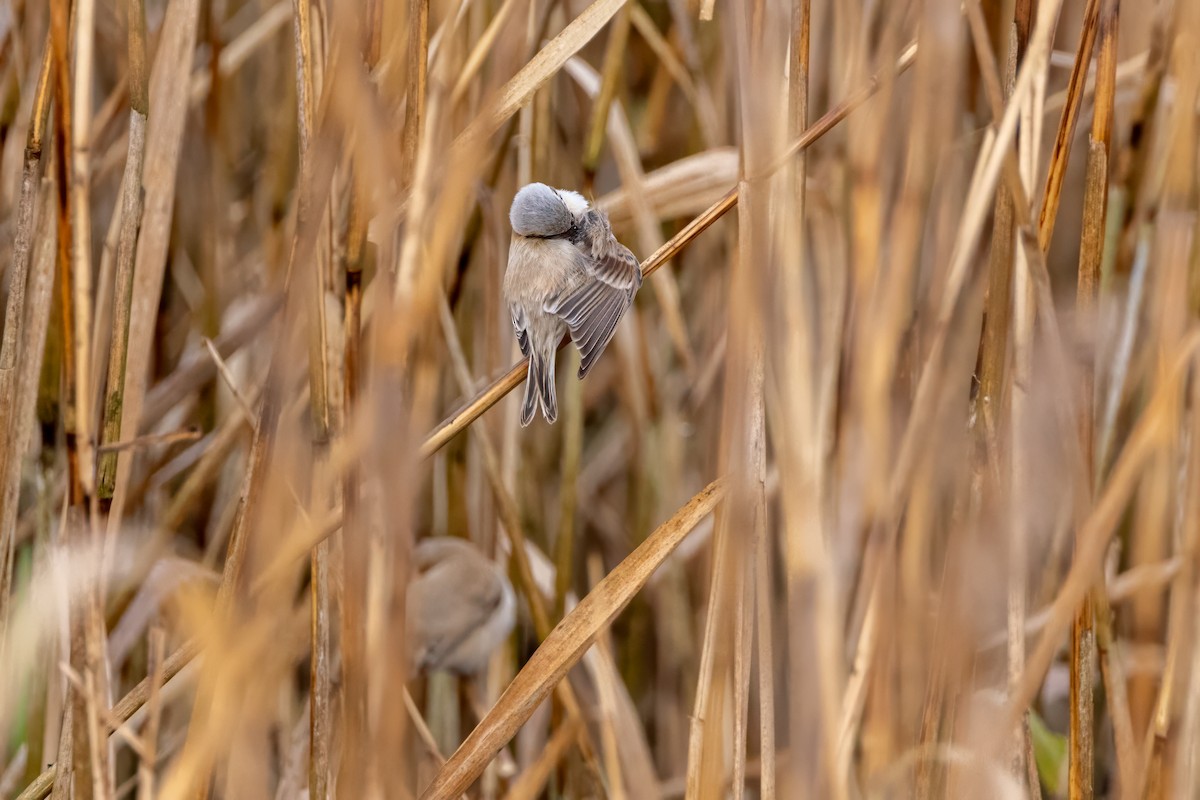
(539, 210)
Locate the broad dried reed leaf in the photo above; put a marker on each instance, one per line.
(682, 188)
(565, 645)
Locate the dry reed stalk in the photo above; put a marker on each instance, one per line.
(353, 539)
(743, 427)
(1112, 672)
(131, 219)
(154, 673)
(151, 440)
(764, 633)
(320, 681)
(247, 512)
(994, 347)
(169, 78)
(1060, 155)
(480, 51)
(1081, 775)
(59, 779)
(11, 356)
(1020, 497)
(704, 699)
(40, 308)
(566, 644)
(564, 542)
(73, 267)
(743, 630)
(607, 95)
(607, 706)
(80, 122)
(530, 783)
(416, 70)
(309, 62)
(1020, 491)
(815, 683)
(1180, 776)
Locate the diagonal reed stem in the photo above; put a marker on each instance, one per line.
(458, 421)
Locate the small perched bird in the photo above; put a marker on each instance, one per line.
(460, 606)
(566, 272)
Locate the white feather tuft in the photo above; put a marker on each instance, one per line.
(574, 201)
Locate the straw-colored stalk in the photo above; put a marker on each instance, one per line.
(131, 219)
(309, 61)
(353, 537)
(355, 552)
(72, 116)
(1081, 769)
(417, 71)
(28, 385)
(12, 359)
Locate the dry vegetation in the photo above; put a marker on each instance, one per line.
(889, 486)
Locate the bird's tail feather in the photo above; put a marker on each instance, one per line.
(529, 404)
(539, 388)
(546, 388)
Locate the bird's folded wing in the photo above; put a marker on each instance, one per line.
(593, 310)
(521, 328)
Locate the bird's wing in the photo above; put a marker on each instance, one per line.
(593, 309)
(521, 328)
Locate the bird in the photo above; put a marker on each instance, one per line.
(459, 606)
(566, 273)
